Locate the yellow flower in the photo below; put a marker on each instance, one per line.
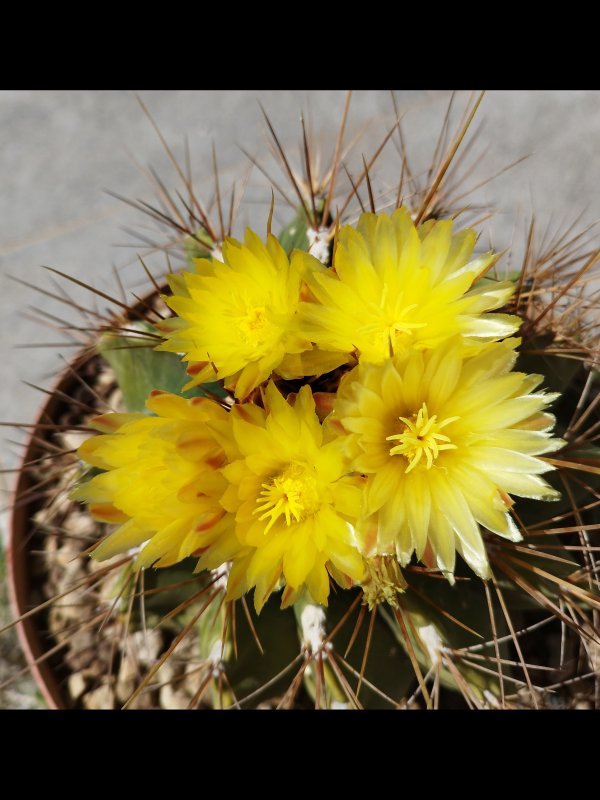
(394, 286)
(444, 439)
(161, 482)
(292, 502)
(236, 320)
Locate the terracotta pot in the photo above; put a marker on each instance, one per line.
(34, 640)
(19, 560)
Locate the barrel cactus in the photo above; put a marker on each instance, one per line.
(371, 478)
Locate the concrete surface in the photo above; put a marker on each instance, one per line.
(61, 149)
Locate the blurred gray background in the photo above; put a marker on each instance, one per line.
(61, 149)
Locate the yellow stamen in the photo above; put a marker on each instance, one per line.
(396, 330)
(254, 326)
(292, 494)
(420, 438)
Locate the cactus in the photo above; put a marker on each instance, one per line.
(356, 412)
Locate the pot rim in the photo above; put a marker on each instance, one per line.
(17, 555)
(18, 566)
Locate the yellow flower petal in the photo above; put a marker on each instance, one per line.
(239, 315)
(291, 498)
(394, 287)
(162, 479)
(443, 438)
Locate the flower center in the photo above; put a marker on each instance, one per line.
(293, 495)
(254, 326)
(420, 438)
(392, 333)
